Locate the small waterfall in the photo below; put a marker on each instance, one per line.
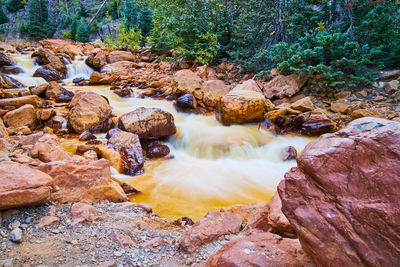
(78, 69)
(28, 66)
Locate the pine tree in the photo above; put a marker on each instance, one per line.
(38, 25)
(83, 12)
(145, 20)
(3, 17)
(82, 33)
(73, 28)
(131, 14)
(15, 5)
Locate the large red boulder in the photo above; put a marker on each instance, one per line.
(343, 198)
(48, 148)
(22, 186)
(261, 250)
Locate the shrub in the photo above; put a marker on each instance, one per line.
(334, 57)
(126, 38)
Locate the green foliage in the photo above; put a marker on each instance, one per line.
(126, 38)
(332, 56)
(113, 8)
(38, 25)
(82, 32)
(15, 5)
(73, 28)
(83, 12)
(3, 17)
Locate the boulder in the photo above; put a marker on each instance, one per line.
(97, 61)
(186, 101)
(38, 90)
(304, 104)
(3, 130)
(78, 180)
(316, 125)
(88, 111)
(6, 47)
(53, 90)
(49, 73)
(97, 78)
(339, 107)
(118, 67)
(48, 58)
(129, 145)
(6, 60)
(23, 116)
(7, 82)
(114, 156)
(391, 86)
(261, 250)
(270, 218)
(21, 101)
(240, 106)
(148, 123)
(154, 149)
(22, 186)
(246, 211)
(208, 229)
(213, 91)
(284, 86)
(11, 70)
(116, 56)
(64, 96)
(249, 85)
(206, 73)
(186, 82)
(71, 50)
(48, 148)
(342, 198)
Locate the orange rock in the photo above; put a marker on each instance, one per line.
(246, 211)
(208, 229)
(284, 86)
(23, 100)
(83, 212)
(118, 67)
(88, 111)
(3, 130)
(116, 56)
(48, 220)
(213, 91)
(78, 180)
(240, 106)
(186, 82)
(22, 186)
(48, 149)
(23, 116)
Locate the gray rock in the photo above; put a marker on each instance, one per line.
(16, 235)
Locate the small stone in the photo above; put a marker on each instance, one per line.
(6, 263)
(16, 235)
(117, 254)
(363, 93)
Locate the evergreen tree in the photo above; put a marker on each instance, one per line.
(3, 17)
(83, 12)
(38, 25)
(82, 33)
(15, 5)
(131, 14)
(73, 28)
(145, 20)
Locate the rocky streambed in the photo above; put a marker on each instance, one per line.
(85, 130)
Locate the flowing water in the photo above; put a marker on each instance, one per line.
(28, 66)
(212, 165)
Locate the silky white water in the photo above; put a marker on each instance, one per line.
(212, 165)
(28, 66)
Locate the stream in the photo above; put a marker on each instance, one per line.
(211, 165)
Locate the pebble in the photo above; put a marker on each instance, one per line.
(16, 235)
(28, 220)
(117, 254)
(6, 263)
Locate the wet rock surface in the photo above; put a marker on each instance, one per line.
(342, 197)
(148, 123)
